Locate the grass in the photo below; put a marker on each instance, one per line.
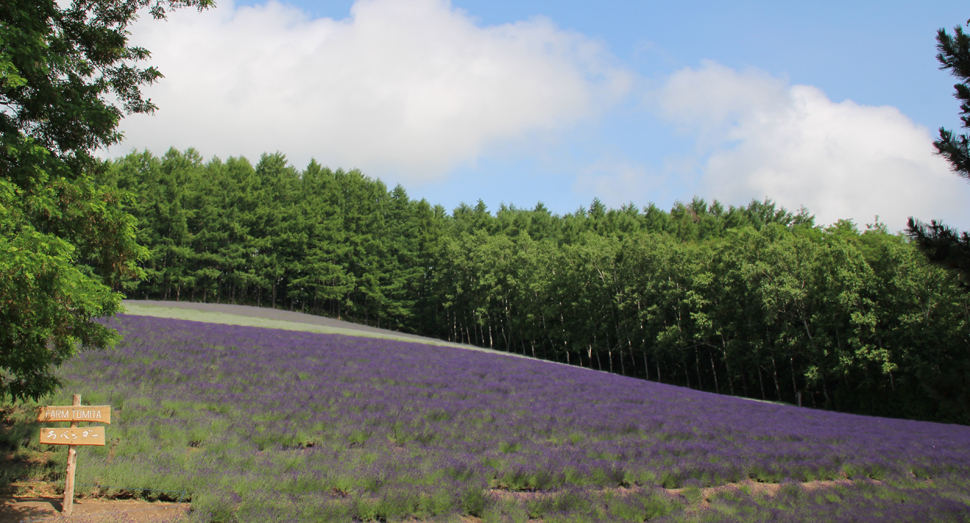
(222, 318)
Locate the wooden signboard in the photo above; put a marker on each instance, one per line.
(94, 413)
(76, 436)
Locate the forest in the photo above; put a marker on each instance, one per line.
(754, 301)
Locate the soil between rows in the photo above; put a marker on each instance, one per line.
(48, 509)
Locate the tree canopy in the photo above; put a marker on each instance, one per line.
(943, 245)
(66, 242)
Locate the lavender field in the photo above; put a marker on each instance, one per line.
(268, 425)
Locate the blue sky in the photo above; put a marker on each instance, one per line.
(830, 105)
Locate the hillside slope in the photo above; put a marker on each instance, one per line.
(257, 424)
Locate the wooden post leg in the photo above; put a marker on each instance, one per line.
(71, 466)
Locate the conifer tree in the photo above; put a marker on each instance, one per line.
(943, 245)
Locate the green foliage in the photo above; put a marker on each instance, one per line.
(66, 245)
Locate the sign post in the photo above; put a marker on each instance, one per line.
(73, 436)
(68, 504)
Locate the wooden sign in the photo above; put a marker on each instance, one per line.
(73, 436)
(93, 413)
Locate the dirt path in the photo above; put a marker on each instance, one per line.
(38, 501)
(47, 509)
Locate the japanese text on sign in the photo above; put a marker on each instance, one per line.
(73, 436)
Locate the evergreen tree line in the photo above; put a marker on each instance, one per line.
(753, 301)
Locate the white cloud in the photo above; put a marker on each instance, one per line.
(405, 89)
(761, 137)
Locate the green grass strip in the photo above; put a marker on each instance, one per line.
(179, 313)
